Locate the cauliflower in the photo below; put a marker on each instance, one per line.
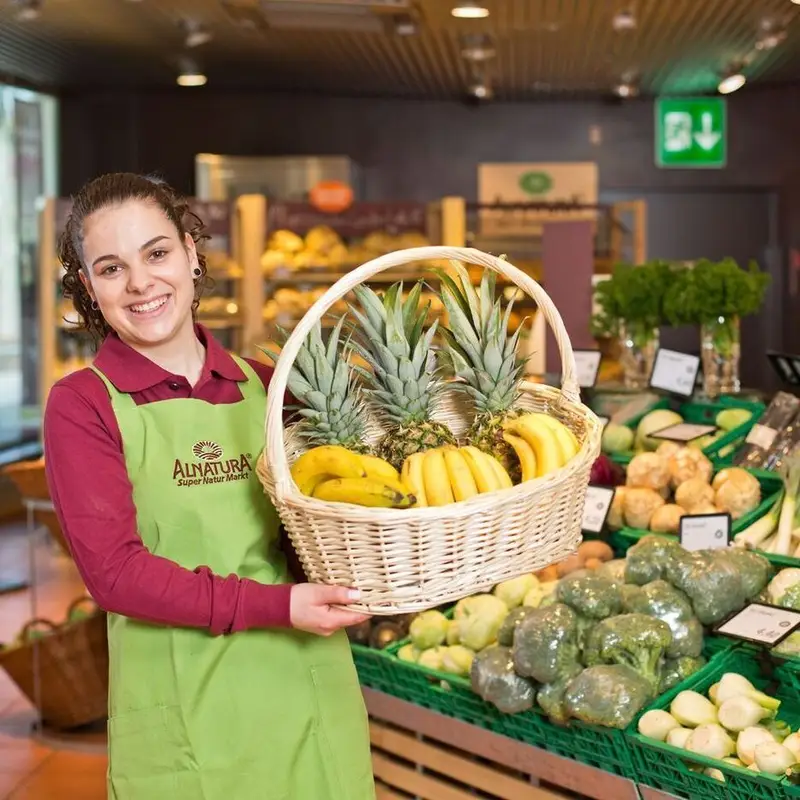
(648, 471)
(479, 620)
(688, 463)
(738, 494)
(616, 514)
(667, 518)
(428, 629)
(512, 592)
(639, 505)
(668, 449)
(693, 493)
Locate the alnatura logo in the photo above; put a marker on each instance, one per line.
(535, 183)
(207, 451)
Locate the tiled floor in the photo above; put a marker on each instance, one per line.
(41, 766)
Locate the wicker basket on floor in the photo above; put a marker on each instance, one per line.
(404, 561)
(31, 482)
(72, 668)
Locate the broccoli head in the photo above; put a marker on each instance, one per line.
(550, 697)
(509, 626)
(591, 595)
(679, 669)
(494, 680)
(633, 640)
(755, 570)
(710, 580)
(609, 695)
(546, 643)
(660, 600)
(646, 561)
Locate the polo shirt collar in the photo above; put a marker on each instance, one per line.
(131, 372)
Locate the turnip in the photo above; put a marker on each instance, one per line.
(656, 724)
(773, 758)
(747, 741)
(691, 709)
(711, 741)
(734, 685)
(712, 693)
(793, 743)
(741, 712)
(677, 737)
(716, 774)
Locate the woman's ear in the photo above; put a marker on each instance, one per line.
(191, 252)
(86, 284)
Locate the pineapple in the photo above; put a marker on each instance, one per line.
(400, 385)
(322, 381)
(484, 358)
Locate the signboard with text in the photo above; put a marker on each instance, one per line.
(691, 132)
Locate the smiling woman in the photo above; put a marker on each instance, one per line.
(150, 458)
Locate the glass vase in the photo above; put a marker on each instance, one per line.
(638, 345)
(720, 344)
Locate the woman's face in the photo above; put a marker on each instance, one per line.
(139, 272)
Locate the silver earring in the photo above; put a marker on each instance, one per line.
(95, 307)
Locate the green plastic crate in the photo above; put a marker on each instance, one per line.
(770, 487)
(720, 452)
(663, 767)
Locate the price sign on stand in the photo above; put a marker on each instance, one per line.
(705, 531)
(761, 623)
(596, 507)
(675, 372)
(684, 432)
(603, 422)
(786, 366)
(587, 365)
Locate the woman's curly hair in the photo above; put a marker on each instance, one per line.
(112, 189)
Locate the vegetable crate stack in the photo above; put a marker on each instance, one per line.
(431, 472)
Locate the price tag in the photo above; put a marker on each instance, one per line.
(684, 432)
(761, 623)
(675, 372)
(587, 365)
(762, 436)
(596, 507)
(603, 422)
(786, 366)
(705, 531)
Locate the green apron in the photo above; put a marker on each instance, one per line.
(256, 715)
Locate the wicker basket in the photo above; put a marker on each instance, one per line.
(404, 561)
(31, 482)
(72, 669)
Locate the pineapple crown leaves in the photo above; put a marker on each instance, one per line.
(396, 344)
(482, 354)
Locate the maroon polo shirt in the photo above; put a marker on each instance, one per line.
(93, 499)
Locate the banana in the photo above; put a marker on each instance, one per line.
(485, 477)
(378, 468)
(566, 438)
(458, 471)
(542, 440)
(525, 454)
(502, 475)
(325, 461)
(371, 492)
(412, 477)
(437, 485)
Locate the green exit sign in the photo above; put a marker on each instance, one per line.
(691, 132)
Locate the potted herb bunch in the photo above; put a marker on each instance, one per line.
(631, 310)
(716, 295)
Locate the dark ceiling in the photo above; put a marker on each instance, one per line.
(355, 47)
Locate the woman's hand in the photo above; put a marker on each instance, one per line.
(310, 608)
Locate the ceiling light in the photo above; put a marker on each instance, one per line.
(731, 83)
(196, 34)
(480, 90)
(477, 47)
(624, 21)
(190, 75)
(28, 10)
(470, 9)
(626, 89)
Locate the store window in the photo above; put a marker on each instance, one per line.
(28, 172)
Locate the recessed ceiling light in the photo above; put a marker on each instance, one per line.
(733, 82)
(624, 21)
(481, 90)
(626, 89)
(470, 9)
(190, 74)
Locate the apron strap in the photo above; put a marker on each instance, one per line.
(253, 387)
(119, 400)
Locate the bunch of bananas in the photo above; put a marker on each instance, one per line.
(542, 443)
(338, 475)
(449, 474)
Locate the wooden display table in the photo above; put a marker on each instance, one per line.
(427, 755)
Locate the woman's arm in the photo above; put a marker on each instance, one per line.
(93, 500)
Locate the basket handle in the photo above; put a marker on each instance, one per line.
(276, 456)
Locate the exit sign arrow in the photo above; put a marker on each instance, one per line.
(707, 138)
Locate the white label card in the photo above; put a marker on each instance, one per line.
(675, 372)
(603, 422)
(587, 365)
(684, 432)
(761, 623)
(705, 531)
(761, 436)
(596, 507)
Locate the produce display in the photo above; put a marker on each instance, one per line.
(37, 629)
(597, 644)
(418, 461)
(674, 481)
